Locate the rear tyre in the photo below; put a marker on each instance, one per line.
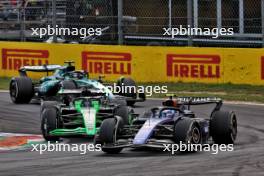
(223, 127)
(117, 101)
(21, 90)
(107, 135)
(128, 82)
(124, 112)
(187, 131)
(49, 122)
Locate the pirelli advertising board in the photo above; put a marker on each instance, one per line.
(144, 64)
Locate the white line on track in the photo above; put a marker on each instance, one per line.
(2, 134)
(4, 91)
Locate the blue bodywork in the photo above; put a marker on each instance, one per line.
(147, 129)
(157, 118)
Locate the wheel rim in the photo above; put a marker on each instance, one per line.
(13, 90)
(233, 128)
(196, 136)
(45, 127)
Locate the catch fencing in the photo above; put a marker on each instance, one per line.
(136, 22)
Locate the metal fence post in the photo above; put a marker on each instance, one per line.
(170, 14)
(219, 13)
(54, 19)
(190, 20)
(241, 16)
(262, 19)
(195, 14)
(22, 17)
(120, 22)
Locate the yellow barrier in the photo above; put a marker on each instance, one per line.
(144, 64)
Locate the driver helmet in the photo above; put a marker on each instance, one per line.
(167, 113)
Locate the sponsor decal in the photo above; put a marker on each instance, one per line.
(262, 68)
(13, 59)
(193, 66)
(107, 63)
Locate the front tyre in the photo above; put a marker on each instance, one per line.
(187, 131)
(107, 135)
(49, 122)
(47, 104)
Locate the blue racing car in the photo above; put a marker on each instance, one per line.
(172, 123)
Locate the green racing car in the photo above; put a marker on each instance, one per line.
(22, 89)
(80, 113)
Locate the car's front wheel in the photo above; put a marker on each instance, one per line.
(107, 135)
(187, 131)
(49, 122)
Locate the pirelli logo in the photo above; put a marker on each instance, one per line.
(262, 67)
(13, 59)
(107, 63)
(193, 66)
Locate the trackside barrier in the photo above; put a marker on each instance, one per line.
(143, 63)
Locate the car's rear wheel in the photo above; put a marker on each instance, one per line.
(21, 90)
(49, 122)
(223, 127)
(107, 135)
(130, 85)
(124, 112)
(187, 131)
(117, 101)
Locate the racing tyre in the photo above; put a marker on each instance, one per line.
(107, 135)
(49, 122)
(128, 82)
(124, 112)
(187, 131)
(121, 102)
(47, 104)
(21, 90)
(223, 127)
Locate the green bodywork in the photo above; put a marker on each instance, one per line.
(88, 119)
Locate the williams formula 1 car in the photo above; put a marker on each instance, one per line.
(80, 113)
(169, 124)
(22, 89)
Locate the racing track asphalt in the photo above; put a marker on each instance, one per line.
(246, 159)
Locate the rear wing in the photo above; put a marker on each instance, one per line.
(81, 92)
(43, 68)
(198, 100)
(189, 101)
